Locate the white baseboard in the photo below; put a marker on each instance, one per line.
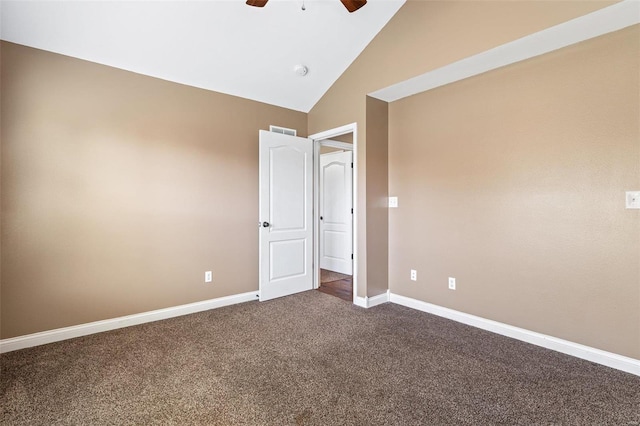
(360, 301)
(609, 359)
(29, 340)
(370, 302)
(378, 300)
(630, 365)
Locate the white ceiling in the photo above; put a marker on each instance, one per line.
(220, 45)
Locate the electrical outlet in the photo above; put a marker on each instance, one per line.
(208, 277)
(414, 275)
(632, 199)
(452, 283)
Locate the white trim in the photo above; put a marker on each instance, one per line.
(317, 138)
(378, 300)
(370, 302)
(338, 131)
(609, 359)
(336, 144)
(600, 22)
(316, 208)
(42, 338)
(360, 301)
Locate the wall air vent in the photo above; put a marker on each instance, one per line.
(283, 130)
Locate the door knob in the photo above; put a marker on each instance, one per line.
(265, 224)
(321, 218)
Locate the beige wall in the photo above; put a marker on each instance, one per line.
(542, 239)
(329, 149)
(377, 197)
(513, 183)
(346, 138)
(422, 36)
(119, 191)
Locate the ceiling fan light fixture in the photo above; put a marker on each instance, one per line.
(257, 3)
(351, 5)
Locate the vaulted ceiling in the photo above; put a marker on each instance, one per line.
(220, 45)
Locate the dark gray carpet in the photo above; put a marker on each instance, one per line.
(309, 359)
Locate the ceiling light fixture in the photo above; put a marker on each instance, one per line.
(301, 70)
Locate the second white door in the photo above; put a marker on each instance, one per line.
(336, 212)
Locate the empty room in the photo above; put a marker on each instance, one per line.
(320, 212)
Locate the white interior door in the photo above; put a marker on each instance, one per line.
(336, 214)
(286, 206)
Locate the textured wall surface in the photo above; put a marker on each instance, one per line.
(513, 182)
(422, 36)
(120, 190)
(377, 197)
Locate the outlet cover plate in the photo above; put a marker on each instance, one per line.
(393, 202)
(632, 199)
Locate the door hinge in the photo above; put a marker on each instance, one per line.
(351, 211)
(351, 256)
(352, 165)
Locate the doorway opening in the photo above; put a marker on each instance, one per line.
(335, 218)
(336, 284)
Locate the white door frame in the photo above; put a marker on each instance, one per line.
(317, 141)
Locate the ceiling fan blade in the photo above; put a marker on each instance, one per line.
(257, 3)
(353, 5)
